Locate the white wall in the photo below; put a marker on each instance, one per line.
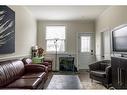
(25, 33)
(72, 28)
(109, 19)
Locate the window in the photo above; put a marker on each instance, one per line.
(55, 38)
(85, 43)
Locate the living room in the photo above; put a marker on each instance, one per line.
(98, 22)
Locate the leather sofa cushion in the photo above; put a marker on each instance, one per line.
(10, 70)
(2, 77)
(25, 83)
(98, 73)
(34, 75)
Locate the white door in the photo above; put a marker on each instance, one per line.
(86, 49)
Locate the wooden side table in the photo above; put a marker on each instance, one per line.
(43, 61)
(48, 63)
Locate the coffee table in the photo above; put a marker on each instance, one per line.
(64, 82)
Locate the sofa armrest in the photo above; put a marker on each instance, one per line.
(35, 68)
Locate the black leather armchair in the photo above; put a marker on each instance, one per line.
(101, 71)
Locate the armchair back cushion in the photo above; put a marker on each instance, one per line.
(99, 65)
(103, 65)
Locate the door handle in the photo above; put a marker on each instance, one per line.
(120, 78)
(91, 52)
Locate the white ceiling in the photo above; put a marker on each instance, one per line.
(66, 12)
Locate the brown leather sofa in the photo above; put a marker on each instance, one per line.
(15, 75)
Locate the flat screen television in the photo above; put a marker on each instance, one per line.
(119, 39)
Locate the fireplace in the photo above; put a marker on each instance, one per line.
(67, 64)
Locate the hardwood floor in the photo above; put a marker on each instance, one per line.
(84, 79)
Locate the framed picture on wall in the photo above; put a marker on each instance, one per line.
(7, 30)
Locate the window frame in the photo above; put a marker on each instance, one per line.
(53, 52)
(89, 45)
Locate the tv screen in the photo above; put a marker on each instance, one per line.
(119, 38)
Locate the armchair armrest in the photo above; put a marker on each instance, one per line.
(35, 68)
(109, 74)
(108, 71)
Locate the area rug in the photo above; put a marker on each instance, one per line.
(92, 86)
(65, 82)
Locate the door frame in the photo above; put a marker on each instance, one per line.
(77, 45)
(102, 43)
